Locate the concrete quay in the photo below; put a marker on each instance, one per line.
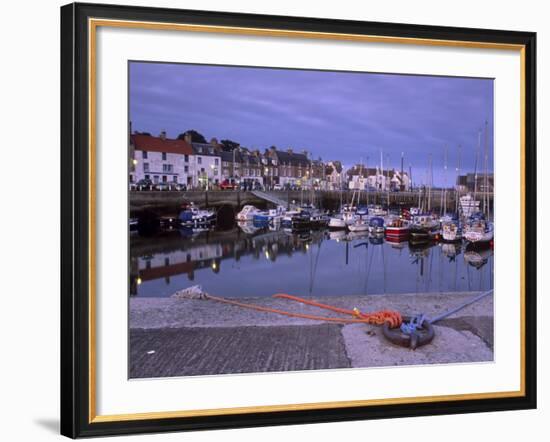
(186, 337)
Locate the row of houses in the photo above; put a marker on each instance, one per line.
(206, 165)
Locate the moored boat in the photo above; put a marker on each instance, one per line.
(376, 225)
(193, 216)
(477, 229)
(397, 228)
(247, 213)
(423, 227)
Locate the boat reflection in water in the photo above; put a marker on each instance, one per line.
(249, 261)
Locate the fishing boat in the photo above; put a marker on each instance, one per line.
(269, 217)
(423, 227)
(247, 213)
(193, 216)
(477, 229)
(451, 231)
(397, 228)
(376, 225)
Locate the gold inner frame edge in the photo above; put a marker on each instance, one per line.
(93, 24)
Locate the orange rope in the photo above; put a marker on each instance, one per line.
(377, 318)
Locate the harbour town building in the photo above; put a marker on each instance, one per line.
(159, 159)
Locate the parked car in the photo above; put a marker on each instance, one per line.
(180, 187)
(162, 186)
(228, 185)
(144, 184)
(277, 187)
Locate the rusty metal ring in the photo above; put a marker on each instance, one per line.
(423, 336)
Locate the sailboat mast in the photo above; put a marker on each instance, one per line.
(486, 181)
(445, 182)
(430, 178)
(475, 166)
(457, 178)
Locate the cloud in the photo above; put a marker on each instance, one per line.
(335, 115)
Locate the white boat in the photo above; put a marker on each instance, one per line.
(247, 213)
(451, 230)
(360, 222)
(377, 210)
(478, 230)
(337, 222)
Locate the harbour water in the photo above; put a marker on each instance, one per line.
(243, 261)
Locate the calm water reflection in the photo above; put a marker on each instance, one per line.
(248, 263)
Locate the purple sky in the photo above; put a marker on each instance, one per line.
(335, 115)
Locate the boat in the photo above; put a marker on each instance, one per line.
(376, 210)
(423, 227)
(376, 225)
(247, 213)
(477, 229)
(451, 231)
(361, 222)
(193, 216)
(304, 219)
(343, 219)
(397, 228)
(269, 217)
(337, 222)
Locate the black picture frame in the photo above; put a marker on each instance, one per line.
(75, 221)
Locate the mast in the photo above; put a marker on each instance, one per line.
(475, 167)
(367, 167)
(444, 210)
(486, 181)
(388, 182)
(430, 181)
(457, 178)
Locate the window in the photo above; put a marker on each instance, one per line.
(146, 167)
(147, 177)
(164, 178)
(216, 162)
(131, 178)
(175, 178)
(186, 158)
(199, 160)
(186, 169)
(168, 168)
(155, 179)
(144, 154)
(163, 156)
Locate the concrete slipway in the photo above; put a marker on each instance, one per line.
(181, 337)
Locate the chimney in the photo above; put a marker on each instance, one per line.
(187, 138)
(214, 142)
(163, 135)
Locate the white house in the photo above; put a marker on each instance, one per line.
(363, 178)
(206, 165)
(159, 159)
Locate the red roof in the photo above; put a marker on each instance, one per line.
(157, 144)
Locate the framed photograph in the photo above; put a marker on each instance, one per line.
(274, 220)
